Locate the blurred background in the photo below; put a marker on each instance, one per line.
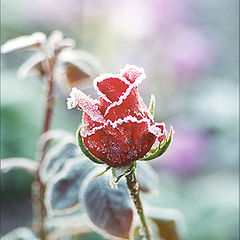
(189, 50)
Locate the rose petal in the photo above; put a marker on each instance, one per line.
(87, 104)
(113, 88)
(110, 86)
(133, 73)
(129, 104)
(121, 142)
(159, 130)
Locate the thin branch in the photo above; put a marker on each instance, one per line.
(39, 187)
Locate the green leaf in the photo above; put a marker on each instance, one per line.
(21, 233)
(110, 210)
(151, 107)
(32, 66)
(170, 222)
(159, 150)
(28, 42)
(85, 150)
(62, 192)
(57, 156)
(74, 226)
(101, 173)
(23, 163)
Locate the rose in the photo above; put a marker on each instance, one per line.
(118, 128)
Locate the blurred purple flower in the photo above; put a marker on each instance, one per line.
(167, 14)
(188, 54)
(187, 152)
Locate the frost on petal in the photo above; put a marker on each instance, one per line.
(110, 86)
(133, 73)
(129, 104)
(159, 130)
(85, 103)
(121, 142)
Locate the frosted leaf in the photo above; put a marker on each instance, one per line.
(21, 233)
(67, 43)
(151, 107)
(84, 102)
(62, 192)
(22, 163)
(32, 66)
(55, 38)
(110, 210)
(24, 42)
(56, 157)
(170, 222)
(81, 59)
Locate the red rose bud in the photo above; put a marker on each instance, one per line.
(118, 128)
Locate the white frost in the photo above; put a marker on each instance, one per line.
(87, 104)
(104, 76)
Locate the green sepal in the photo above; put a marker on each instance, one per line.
(119, 172)
(161, 149)
(100, 174)
(151, 106)
(85, 150)
(138, 233)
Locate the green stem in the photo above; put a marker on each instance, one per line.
(133, 188)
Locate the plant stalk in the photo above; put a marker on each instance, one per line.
(133, 188)
(39, 187)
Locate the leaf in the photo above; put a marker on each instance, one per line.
(147, 178)
(161, 149)
(75, 76)
(23, 163)
(86, 63)
(110, 210)
(55, 134)
(151, 107)
(56, 43)
(67, 43)
(62, 193)
(68, 227)
(57, 156)
(21, 233)
(32, 66)
(29, 42)
(84, 149)
(54, 38)
(170, 222)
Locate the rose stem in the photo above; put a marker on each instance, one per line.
(39, 187)
(133, 188)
